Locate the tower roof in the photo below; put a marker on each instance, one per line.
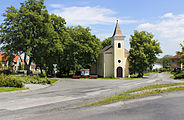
(117, 31)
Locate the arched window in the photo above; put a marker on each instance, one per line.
(119, 45)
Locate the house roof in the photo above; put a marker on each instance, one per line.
(117, 31)
(177, 56)
(4, 57)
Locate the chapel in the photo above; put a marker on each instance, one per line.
(112, 60)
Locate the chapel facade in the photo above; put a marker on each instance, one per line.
(112, 60)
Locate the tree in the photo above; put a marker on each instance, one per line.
(1, 64)
(143, 52)
(52, 48)
(25, 29)
(106, 42)
(165, 61)
(82, 50)
(181, 60)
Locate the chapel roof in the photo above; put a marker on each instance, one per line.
(110, 46)
(106, 48)
(117, 31)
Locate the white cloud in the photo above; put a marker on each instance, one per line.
(168, 15)
(169, 31)
(103, 36)
(88, 15)
(55, 5)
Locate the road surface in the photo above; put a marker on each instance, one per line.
(59, 100)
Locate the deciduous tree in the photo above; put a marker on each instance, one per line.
(24, 29)
(143, 52)
(106, 42)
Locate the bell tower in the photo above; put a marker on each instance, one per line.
(118, 52)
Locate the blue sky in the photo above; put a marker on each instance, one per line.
(163, 18)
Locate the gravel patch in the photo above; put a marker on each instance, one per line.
(35, 86)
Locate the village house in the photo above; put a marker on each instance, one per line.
(175, 61)
(16, 62)
(112, 59)
(5, 61)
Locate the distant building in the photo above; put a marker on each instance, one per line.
(14, 63)
(112, 59)
(157, 66)
(5, 62)
(175, 62)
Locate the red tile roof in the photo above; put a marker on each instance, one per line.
(4, 57)
(176, 57)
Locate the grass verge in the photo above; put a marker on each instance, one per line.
(173, 77)
(7, 89)
(52, 81)
(108, 78)
(149, 90)
(132, 78)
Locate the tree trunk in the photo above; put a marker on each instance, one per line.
(140, 75)
(27, 65)
(41, 70)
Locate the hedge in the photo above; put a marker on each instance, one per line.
(7, 81)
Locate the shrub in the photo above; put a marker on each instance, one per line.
(179, 75)
(20, 72)
(35, 80)
(7, 81)
(42, 75)
(6, 72)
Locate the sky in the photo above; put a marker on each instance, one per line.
(163, 18)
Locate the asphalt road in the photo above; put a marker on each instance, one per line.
(57, 101)
(167, 107)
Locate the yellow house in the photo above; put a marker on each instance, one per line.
(112, 60)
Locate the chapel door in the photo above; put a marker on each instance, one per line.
(119, 72)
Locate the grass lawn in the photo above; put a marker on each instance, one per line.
(172, 77)
(7, 89)
(147, 91)
(52, 81)
(147, 74)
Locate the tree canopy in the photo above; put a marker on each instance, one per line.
(181, 53)
(106, 42)
(45, 40)
(165, 61)
(25, 29)
(143, 51)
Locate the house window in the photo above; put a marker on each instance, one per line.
(119, 45)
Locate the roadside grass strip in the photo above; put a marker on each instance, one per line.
(173, 77)
(7, 89)
(141, 92)
(52, 81)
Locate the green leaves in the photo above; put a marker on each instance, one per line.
(143, 51)
(106, 42)
(45, 39)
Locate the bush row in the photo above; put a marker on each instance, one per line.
(7, 81)
(179, 75)
(35, 80)
(19, 81)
